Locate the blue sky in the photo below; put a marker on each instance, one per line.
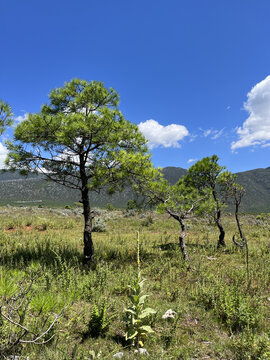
(192, 74)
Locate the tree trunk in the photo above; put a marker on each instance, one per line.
(88, 251)
(243, 239)
(238, 223)
(241, 244)
(182, 241)
(221, 239)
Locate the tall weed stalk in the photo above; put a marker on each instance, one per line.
(138, 317)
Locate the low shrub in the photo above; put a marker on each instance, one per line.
(251, 347)
(232, 307)
(109, 207)
(99, 225)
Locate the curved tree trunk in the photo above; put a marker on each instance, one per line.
(221, 239)
(238, 223)
(243, 239)
(182, 240)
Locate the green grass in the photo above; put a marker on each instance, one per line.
(219, 315)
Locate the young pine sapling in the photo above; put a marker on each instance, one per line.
(181, 202)
(206, 174)
(235, 193)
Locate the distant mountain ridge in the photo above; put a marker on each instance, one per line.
(34, 189)
(256, 183)
(173, 174)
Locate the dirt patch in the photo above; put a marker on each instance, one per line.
(11, 229)
(26, 228)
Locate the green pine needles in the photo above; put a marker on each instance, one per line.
(6, 116)
(138, 317)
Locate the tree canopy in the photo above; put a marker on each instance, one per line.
(180, 201)
(208, 174)
(5, 116)
(81, 125)
(81, 140)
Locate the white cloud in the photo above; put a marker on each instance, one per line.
(191, 161)
(256, 129)
(20, 118)
(165, 136)
(3, 154)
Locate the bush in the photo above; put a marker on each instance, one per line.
(233, 308)
(251, 347)
(109, 207)
(129, 213)
(99, 225)
(24, 318)
(131, 205)
(78, 204)
(236, 310)
(148, 221)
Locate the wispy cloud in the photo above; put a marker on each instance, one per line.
(206, 132)
(212, 133)
(164, 136)
(256, 129)
(216, 134)
(192, 137)
(191, 161)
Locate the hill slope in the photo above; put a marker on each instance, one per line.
(16, 189)
(257, 185)
(33, 189)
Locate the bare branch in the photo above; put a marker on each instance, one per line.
(12, 321)
(56, 317)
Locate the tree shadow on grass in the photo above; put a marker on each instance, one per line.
(113, 256)
(121, 340)
(47, 254)
(43, 254)
(167, 246)
(175, 246)
(211, 248)
(201, 246)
